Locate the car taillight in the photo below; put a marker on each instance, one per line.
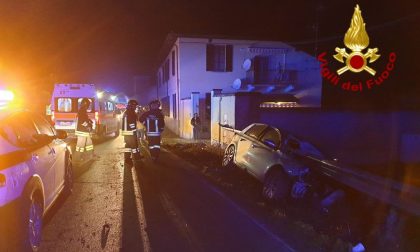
(2, 180)
(97, 117)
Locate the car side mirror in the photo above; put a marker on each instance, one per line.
(43, 139)
(293, 144)
(270, 143)
(61, 134)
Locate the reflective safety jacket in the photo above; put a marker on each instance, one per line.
(83, 123)
(129, 123)
(154, 122)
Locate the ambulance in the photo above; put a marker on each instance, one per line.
(65, 103)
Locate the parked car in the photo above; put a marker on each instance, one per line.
(35, 167)
(273, 157)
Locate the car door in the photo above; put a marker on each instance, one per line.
(244, 144)
(263, 153)
(56, 153)
(40, 161)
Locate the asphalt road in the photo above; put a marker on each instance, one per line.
(163, 206)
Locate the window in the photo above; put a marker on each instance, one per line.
(208, 106)
(110, 106)
(219, 58)
(166, 71)
(165, 106)
(262, 70)
(272, 135)
(20, 131)
(8, 132)
(173, 63)
(90, 109)
(159, 78)
(43, 126)
(256, 130)
(174, 105)
(64, 105)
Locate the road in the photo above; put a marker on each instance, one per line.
(163, 206)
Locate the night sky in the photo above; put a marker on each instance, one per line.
(109, 42)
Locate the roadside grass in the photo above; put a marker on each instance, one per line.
(305, 226)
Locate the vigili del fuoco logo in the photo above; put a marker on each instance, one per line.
(355, 60)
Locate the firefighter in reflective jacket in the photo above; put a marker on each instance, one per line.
(129, 131)
(154, 122)
(84, 125)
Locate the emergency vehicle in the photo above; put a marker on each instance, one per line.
(65, 103)
(35, 167)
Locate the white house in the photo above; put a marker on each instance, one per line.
(190, 67)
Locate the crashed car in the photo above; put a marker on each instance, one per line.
(274, 158)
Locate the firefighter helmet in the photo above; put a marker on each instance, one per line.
(85, 103)
(155, 103)
(132, 105)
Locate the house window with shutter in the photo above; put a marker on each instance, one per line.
(166, 71)
(219, 58)
(173, 63)
(174, 105)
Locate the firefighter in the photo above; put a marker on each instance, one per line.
(129, 131)
(154, 122)
(84, 125)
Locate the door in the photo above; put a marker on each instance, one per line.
(40, 153)
(56, 154)
(263, 153)
(245, 141)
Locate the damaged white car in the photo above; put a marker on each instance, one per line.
(274, 158)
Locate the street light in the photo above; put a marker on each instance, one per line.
(99, 94)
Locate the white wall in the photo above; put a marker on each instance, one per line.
(195, 78)
(169, 88)
(223, 111)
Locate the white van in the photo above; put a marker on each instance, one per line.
(65, 103)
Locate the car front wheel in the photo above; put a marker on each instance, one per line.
(68, 179)
(276, 186)
(32, 213)
(228, 157)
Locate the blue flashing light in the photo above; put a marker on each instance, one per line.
(288, 88)
(250, 88)
(270, 89)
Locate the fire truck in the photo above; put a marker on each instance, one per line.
(65, 103)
